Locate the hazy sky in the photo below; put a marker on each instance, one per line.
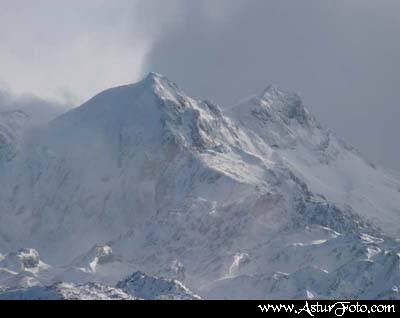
(342, 56)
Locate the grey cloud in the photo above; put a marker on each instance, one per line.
(74, 48)
(341, 56)
(39, 110)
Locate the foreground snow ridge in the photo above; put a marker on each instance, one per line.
(252, 201)
(137, 287)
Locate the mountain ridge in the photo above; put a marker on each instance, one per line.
(143, 177)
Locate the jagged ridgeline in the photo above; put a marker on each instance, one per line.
(256, 200)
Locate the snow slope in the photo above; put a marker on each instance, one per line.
(258, 201)
(136, 287)
(66, 291)
(154, 288)
(23, 275)
(12, 124)
(328, 165)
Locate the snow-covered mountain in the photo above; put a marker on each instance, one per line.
(23, 275)
(326, 164)
(155, 288)
(136, 287)
(256, 201)
(12, 125)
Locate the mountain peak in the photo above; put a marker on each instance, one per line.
(272, 90)
(275, 104)
(154, 75)
(255, 202)
(149, 287)
(289, 103)
(157, 80)
(152, 78)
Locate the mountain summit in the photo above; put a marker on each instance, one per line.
(255, 201)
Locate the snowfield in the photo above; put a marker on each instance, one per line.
(257, 201)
